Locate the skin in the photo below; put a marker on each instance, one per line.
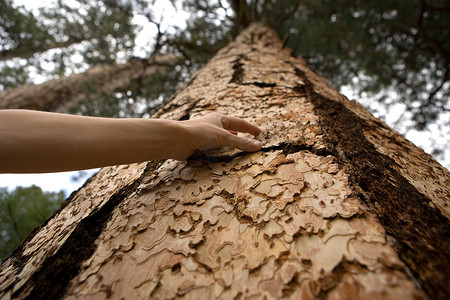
(38, 142)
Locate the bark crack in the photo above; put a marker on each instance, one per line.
(260, 84)
(420, 231)
(287, 148)
(238, 74)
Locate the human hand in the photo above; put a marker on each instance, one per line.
(215, 131)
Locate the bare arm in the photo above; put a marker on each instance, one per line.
(33, 141)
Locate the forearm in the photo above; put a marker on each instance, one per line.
(47, 142)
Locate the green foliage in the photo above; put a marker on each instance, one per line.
(157, 88)
(12, 77)
(104, 27)
(201, 39)
(21, 211)
(206, 31)
(141, 98)
(20, 30)
(68, 38)
(100, 105)
(399, 47)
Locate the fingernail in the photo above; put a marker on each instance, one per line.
(257, 144)
(224, 122)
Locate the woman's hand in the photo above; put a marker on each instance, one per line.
(215, 131)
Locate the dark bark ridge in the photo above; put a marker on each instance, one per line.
(238, 74)
(421, 232)
(286, 148)
(18, 259)
(419, 229)
(56, 271)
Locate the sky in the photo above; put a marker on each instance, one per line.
(63, 180)
(48, 182)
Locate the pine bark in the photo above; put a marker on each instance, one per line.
(336, 205)
(60, 94)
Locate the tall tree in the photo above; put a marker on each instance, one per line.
(336, 204)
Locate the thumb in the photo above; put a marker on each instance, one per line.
(243, 144)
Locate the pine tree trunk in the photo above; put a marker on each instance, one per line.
(60, 94)
(336, 205)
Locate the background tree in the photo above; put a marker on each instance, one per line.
(81, 92)
(21, 211)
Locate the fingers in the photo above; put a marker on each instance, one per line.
(226, 134)
(240, 125)
(242, 144)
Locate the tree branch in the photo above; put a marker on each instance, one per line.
(439, 48)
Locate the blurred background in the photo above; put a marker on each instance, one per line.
(131, 56)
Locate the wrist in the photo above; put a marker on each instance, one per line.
(184, 138)
(176, 139)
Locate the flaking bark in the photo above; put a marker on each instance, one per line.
(312, 215)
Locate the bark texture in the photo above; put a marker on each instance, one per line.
(336, 205)
(60, 94)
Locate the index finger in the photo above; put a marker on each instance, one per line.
(238, 124)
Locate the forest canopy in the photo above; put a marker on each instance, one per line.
(393, 56)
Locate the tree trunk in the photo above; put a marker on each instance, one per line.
(60, 94)
(336, 205)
